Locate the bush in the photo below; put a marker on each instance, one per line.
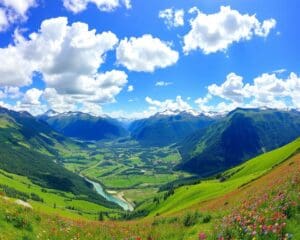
(18, 221)
(173, 220)
(26, 238)
(36, 197)
(169, 193)
(206, 219)
(190, 219)
(13, 193)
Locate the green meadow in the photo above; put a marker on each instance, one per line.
(187, 196)
(52, 201)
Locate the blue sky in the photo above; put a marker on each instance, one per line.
(148, 56)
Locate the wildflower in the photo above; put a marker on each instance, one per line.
(202, 236)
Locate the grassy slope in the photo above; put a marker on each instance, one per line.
(31, 148)
(187, 196)
(51, 197)
(51, 227)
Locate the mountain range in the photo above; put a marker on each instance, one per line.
(84, 126)
(237, 137)
(207, 145)
(165, 129)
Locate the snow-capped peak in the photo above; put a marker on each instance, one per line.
(51, 113)
(177, 112)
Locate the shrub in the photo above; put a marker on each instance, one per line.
(206, 218)
(36, 197)
(190, 219)
(18, 221)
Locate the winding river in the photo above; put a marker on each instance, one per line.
(111, 198)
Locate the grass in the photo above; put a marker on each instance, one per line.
(61, 200)
(265, 162)
(140, 193)
(205, 218)
(125, 166)
(130, 181)
(187, 196)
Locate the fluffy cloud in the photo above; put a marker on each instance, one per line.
(294, 88)
(105, 87)
(58, 102)
(172, 18)
(77, 6)
(10, 92)
(91, 108)
(12, 11)
(216, 32)
(270, 90)
(163, 84)
(202, 103)
(30, 101)
(19, 7)
(231, 89)
(3, 20)
(14, 69)
(130, 88)
(32, 96)
(57, 51)
(267, 90)
(145, 54)
(168, 105)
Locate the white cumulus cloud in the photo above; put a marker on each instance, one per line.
(266, 90)
(3, 20)
(32, 96)
(130, 88)
(145, 54)
(12, 11)
(68, 57)
(211, 33)
(14, 69)
(232, 89)
(77, 6)
(168, 105)
(172, 18)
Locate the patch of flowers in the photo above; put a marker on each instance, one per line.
(263, 216)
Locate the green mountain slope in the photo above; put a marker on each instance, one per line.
(241, 135)
(162, 130)
(48, 200)
(187, 196)
(28, 147)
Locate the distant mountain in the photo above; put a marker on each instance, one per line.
(28, 147)
(84, 126)
(125, 122)
(49, 113)
(168, 127)
(241, 135)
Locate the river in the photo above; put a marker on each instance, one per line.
(111, 198)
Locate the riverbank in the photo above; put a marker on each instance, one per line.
(121, 196)
(116, 197)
